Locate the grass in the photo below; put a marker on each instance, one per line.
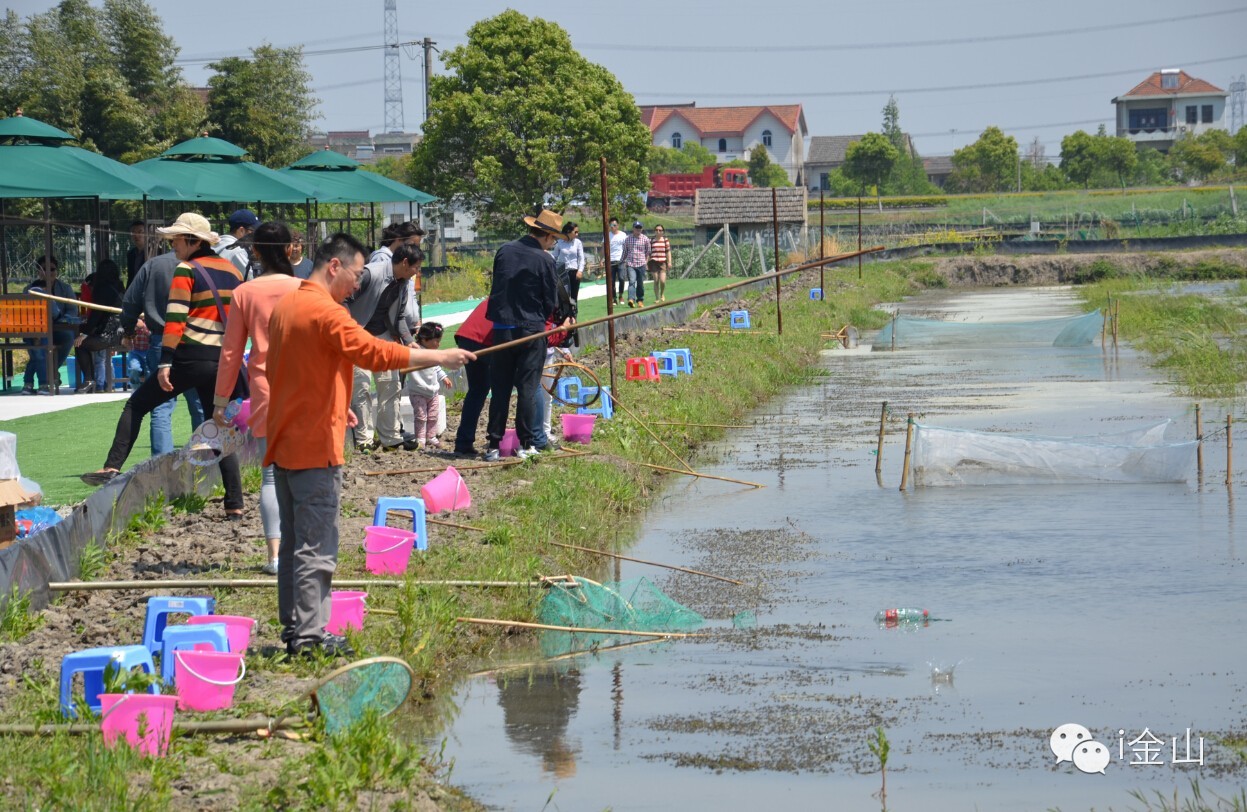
(54, 448)
(1200, 340)
(16, 621)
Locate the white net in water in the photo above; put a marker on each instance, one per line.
(943, 456)
(1068, 331)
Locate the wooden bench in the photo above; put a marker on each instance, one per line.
(22, 318)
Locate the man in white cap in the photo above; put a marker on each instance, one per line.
(523, 295)
(241, 224)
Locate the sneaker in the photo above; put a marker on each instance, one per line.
(640, 303)
(270, 568)
(86, 389)
(465, 452)
(99, 477)
(44, 390)
(331, 645)
(435, 443)
(396, 447)
(525, 453)
(493, 455)
(28, 390)
(631, 303)
(411, 444)
(549, 448)
(367, 447)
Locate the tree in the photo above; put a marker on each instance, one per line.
(1119, 156)
(522, 120)
(987, 165)
(692, 157)
(1197, 157)
(1035, 155)
(263, 104)
(1078, 157)
(892, 124)
(764, 173)
(869, 161)
(1240, 149)
(394, 167)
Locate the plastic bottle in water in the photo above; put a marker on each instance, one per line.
(903, 616)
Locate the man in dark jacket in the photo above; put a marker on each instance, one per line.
(523, 295)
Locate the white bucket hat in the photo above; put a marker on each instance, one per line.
(194, 225)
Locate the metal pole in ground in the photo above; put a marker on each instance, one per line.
(610, 274)
(859, 233)
(779, 313)
(883, 418)
(822, 285)
(1199, 449)
(1229, 450)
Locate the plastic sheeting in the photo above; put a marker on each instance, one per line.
(943, 456)
(1069, 331)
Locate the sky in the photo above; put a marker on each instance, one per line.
(955, 66)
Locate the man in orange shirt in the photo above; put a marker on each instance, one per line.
(313, 345)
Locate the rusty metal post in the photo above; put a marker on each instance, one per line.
(1229, 450)
(883, 417)
(909, 440)
(1199, 438)
(779, 313)
(859, 234)
(822, 284)
(610, 275)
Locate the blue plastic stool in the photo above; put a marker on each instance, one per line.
(563, 390)
(120, 377)
(158, 611)
(605, 408)
(683, 359)
(213, 635)
(91, 663)
(740, 320)
(414, 504)
(666, 362)
(71, 370)
(816, 293)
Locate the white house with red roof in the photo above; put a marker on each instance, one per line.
(1168, 105)
(731, 132)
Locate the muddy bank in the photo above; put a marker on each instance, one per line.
(1064, 269)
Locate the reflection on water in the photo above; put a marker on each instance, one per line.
(1115, 607)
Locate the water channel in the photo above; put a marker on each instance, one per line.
(1116, 607)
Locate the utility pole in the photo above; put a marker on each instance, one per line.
(427, 44)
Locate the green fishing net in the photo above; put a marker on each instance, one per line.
(379, 685)
(633, 605)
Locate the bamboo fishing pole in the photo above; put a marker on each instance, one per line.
(564, 454)
(700, 475)
(78, 302)
(445, 523)
(519, 624)
(570, 655)
(809, 266)
(909, 438)
(257, 724)
(651, 563)
(260, 583)
(883, 418)
(702, 425)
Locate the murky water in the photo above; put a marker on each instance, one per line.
(1117, 607)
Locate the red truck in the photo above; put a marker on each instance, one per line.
(665, 190)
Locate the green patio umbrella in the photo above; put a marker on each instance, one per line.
(338, 179)
(36, 160)
(212, 169)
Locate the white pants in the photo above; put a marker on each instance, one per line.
(377, 420)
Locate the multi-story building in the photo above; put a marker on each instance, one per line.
(1168, 105)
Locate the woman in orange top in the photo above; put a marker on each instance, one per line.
(659, 262)
(249, 315)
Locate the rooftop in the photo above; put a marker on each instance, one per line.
(714, 207)
(1182, 83)
(723, 120)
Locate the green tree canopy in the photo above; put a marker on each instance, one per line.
(692, 157)
(1197, 157)
(522, 120)
(1078, 157)
(987, 165)
(1240, 149)
(762, 172)
(870, 160)
(263, 104)
(1118, 156)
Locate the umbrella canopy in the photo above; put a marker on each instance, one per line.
(37, 161)
(338, 179)
(212, 169)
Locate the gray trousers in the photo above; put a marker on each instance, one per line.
(377, 420)
(308, 501)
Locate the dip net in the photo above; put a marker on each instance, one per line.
(944, 456)
(1070, 331)
(631, 605)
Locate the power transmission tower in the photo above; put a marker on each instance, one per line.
(1238, 103)
(393, 71)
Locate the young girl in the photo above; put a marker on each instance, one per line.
(423, 387)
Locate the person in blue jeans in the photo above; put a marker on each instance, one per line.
(148, 298)
(63, 316)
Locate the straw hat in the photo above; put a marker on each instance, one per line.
(191, 224)
(546, 221)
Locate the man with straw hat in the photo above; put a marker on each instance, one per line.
(523, 295)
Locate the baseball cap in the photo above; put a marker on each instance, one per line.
(243, 218)
(638, 224)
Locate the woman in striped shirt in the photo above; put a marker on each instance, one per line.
(660, 262)
(199, 299)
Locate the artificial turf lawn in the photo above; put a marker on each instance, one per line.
(54, 448)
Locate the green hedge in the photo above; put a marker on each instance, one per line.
(888, 202)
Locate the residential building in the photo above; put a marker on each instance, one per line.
(938, 168)
(364, 147)
(731, 132)
(1168, 105)
(826, 154)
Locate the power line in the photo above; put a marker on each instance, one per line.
(823, 94)
(204, 60)
(863, 46)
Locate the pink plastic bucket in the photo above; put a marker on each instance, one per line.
(237, 628)
(510, 443)
(578, 428)
(387, 549)
(346, 610)
(446, 491)
(144, 721)
(244, 415)
(206, 679)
